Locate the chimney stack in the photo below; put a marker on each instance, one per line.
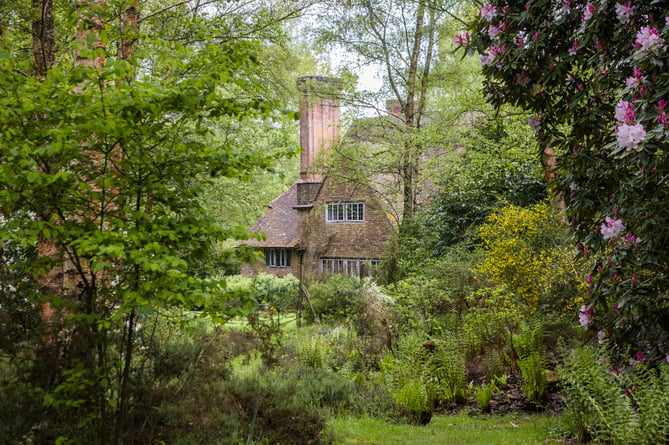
(319, 121)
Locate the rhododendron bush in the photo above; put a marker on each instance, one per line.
(594, 78)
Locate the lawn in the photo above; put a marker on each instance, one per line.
(447, 430)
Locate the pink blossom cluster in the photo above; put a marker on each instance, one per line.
(488, 12)
(636, 80)
(611, 228)
(648, 38)
(629, 240)
(625, 12)
(494, 30)
(488, 59)
(586, 316)
(462, 40)
(624, 112)
(628, 134)
(588, 12)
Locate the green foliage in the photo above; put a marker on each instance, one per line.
(447, 365)
(528, 346)
(494, 168)
(423, 373)
(491, 320)
(315, 352)
(432, 294)
(532, 369)
(105, 168)
(614, 405)
(336, 298)
(484, 394)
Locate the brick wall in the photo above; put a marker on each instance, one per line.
(365, 239)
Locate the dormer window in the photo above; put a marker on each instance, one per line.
(345, 212)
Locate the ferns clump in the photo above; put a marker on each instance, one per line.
(629, 406)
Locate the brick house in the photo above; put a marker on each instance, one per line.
(321, 224)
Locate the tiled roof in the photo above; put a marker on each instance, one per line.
(278, 222)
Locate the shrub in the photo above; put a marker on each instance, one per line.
(527, 250)
(273, 409)
(336, 298)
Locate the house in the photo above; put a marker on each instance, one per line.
(321, 224)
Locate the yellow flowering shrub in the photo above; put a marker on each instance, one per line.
(527, 251)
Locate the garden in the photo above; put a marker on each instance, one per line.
(523, 299)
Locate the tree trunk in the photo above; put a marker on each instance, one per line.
(410, 161)
(129, 30)
(44, 41)
(549, 163)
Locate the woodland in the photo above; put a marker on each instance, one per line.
(527, 172)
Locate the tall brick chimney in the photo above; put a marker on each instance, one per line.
(319, 121)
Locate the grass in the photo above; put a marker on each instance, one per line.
(446, 430)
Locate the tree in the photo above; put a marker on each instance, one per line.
(493, 167)
(401, 37)
(103, 159)
(595, 76)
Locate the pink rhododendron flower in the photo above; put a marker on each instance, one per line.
(648, 38)
(630, 240)
(586, 316)
(630, 136)
(624, 12)
(461, 40)
(640, 357)
(589, 11)
(611, 228)
(487, 59)
(494, 30)
(574, 48)
(588, 279)
(624, 112)
(488, 12)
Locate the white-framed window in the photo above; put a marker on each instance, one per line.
(345, 212)
(360, 267)
(277, 257)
